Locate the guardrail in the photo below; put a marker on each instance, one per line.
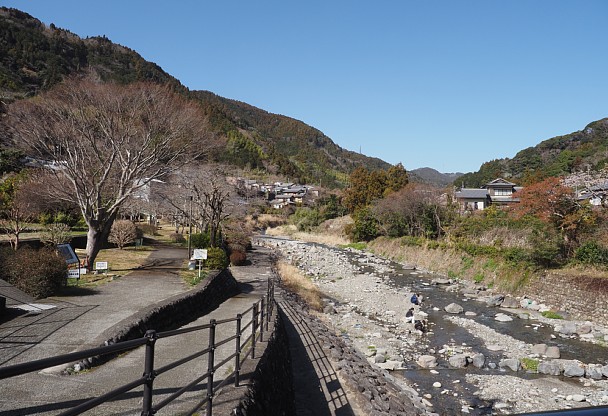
(260, 313)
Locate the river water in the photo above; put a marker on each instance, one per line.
(455, 392)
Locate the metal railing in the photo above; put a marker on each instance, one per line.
(260, 313)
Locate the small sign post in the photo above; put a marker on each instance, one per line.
(101, 265)
(199, 254)
(68, 253)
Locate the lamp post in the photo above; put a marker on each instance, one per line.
(190, 230)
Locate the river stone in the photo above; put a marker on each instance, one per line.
(470, 313)
(523, 315)
(578, 398)
(454, 308)
(566, 328)
(378, 358)
(550, 368)
(427, 361)
(605, 371)
(458, 360)
(584, 328)
(494, 347)
(495, 300)
(594, 371)
(437, 385)
(539, 349)
(479, 360)
(511, 363)
(440, 282)
(501, 317)
(510, 303)
(574, 369)
(552, 352)
(381, 351)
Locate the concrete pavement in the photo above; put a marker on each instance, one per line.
(84, 319)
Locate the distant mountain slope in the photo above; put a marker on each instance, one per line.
(34, 57)
(586, 150)
(433, 177)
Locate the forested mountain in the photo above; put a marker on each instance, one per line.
(34, 57)
(584, 150)
(433, 177)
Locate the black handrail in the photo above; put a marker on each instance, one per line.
(261, 311)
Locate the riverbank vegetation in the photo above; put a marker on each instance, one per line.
(296, 282)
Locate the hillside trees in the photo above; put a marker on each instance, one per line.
(556, 205)
(366, 186)
(105, 142)
(17, 208)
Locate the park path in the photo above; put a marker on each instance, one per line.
(80, 320)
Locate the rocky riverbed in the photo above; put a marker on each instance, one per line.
(482, 353)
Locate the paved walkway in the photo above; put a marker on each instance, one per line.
(80, 318)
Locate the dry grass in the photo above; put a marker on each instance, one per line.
(333, 238)
(120, 262)
(293, 280)
(454, 264)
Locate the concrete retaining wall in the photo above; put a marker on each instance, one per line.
(171, 313)
(582, 297)
(270, 391)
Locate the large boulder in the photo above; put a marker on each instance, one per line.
(566, 328)
(594, 371)
(479, 360)
(550, 368)
(427, 361)
(458, 360)
(510, 363)
(539, 349)
(495, 300)
(454, 308)
(552, 352)
(510, 303)
(574, 369)
(503, 317)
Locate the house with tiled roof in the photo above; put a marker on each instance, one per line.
(498, 192)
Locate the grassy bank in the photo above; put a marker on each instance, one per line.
(453, 263)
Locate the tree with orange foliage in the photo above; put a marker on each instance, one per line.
(556, 204)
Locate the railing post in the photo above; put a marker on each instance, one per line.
(237, 359)
(262, 320)
(254, 328)
(149, 373)
(210, 366)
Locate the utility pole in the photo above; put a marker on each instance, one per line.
(190, 230)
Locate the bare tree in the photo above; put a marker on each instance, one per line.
(122, 233)
(17, 208)
(106, 141)
(211, 198)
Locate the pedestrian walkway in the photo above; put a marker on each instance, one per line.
(317, 388)
(78, 319)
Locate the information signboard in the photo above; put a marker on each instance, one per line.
(199, 254)
(101, 265)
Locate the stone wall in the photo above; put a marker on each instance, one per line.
(270, 391)
(171, 313)
(369, 389)
(581, 297)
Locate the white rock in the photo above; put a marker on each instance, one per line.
(437, 385)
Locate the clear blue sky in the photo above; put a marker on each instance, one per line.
(445, 84)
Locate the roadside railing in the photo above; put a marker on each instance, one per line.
(244, 347)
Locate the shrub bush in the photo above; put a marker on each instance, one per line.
(216, 258)
(591, 253)
(199, 240)
(238, 258)
(39, 273)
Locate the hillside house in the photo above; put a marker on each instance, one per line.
(499, 192)
(597, 195)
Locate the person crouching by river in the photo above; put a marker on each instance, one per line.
(409, 316)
